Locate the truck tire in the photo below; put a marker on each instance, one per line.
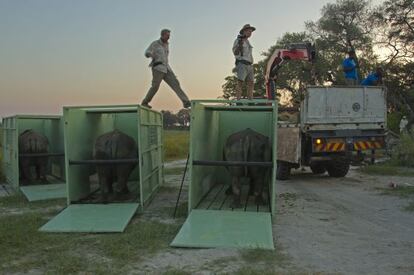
(318, 168)
(338, 168)
(283, 170)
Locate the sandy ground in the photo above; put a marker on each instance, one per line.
(346, 225)
(323, 224)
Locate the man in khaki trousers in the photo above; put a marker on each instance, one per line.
(161, 70)
(242, 51)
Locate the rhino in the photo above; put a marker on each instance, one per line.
(247, 146)
(114, 145)
(32, 142)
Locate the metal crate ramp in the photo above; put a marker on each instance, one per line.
(92, 218)
(44, 191)
(225, 229)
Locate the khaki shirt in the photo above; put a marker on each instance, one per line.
(247, 51)
(158, 51)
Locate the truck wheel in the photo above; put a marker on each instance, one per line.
(283, 170)
(338, 168)
(318, 168)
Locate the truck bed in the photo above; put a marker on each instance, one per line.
(339, 108)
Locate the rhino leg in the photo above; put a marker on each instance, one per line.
(41, 164)
(122, 173)
(236, 192)
(258, 191)
(25, 170)
(105, 182)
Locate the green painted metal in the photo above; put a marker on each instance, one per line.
(44, 191)
(212, 121)
(229, 229)
(92, 218)
(50, 126)
(83, 124)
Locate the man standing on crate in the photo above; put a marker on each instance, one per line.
(242, 51)
(161, 70)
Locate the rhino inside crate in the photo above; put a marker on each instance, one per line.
(52, 128)
(82, 127)
(212, 122)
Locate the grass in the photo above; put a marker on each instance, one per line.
(182, 210)
(410, 207)
(262, 261)
(175, 271)
(26, 249)
(402, 192)
(176, 144)
(388, 168)
(268, 257)
(19, 201)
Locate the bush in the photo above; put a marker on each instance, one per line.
(176, 144)
(393, 121)
(404, 151)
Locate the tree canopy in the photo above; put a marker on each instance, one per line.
(382, 36)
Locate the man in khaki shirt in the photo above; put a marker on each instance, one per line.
(242, 51)
(161, 70)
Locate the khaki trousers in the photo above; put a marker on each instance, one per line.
(170, 79)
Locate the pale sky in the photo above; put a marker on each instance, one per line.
(55, 53)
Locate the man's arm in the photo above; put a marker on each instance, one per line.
(150, 51)
(237, 46)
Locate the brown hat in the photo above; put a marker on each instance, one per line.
(247, 26)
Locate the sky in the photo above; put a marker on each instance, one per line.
(56, 53)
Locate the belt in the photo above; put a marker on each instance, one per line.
(156, 63)
(242, 61)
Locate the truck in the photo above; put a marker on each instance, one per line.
(335, 125)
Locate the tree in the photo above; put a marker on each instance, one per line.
(395, 25)
(169, 119)
(183, 117)
(229, 86)
(292, 77)
(394, 22)
(344, 25)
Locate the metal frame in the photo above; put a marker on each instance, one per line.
(83, 124)
(211, 122)
(49, 125)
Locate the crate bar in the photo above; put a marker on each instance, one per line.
(42, 155)
(239, 108)
(231, 163)
(112, 111)
(102, 161)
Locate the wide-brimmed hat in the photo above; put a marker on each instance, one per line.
(247, 26)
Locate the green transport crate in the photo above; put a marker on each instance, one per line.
(52, 128)
(82, 125)
(211, 221)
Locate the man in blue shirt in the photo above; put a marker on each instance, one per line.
(350, 68)
(373, 79)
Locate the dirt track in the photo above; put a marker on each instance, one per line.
(323, 225)
(346, 225)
